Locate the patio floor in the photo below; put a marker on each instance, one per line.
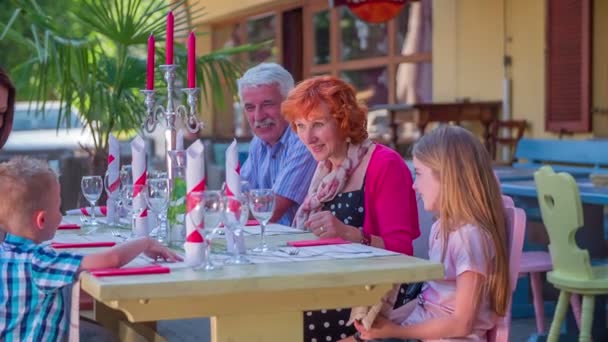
(198, 330)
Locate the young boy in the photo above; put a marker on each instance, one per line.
(32, 276)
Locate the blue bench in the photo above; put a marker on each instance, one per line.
(575, 156)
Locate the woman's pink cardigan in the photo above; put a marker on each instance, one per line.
(390, 202)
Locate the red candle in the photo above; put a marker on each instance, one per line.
(191, 60)
(150, 80)
(169, 40)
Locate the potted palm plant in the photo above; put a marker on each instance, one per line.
(97, 65)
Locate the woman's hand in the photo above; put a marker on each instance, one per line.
(325, 225)
(155, 250)
(382, 328)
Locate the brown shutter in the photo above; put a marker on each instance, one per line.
(568, 63)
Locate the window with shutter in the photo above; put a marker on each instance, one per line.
(568, 63)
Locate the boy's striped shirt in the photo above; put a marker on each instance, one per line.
(32, 277)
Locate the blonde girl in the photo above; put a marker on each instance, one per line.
(455, 181)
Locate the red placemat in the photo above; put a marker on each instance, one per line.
(110, 272)
(58, 245)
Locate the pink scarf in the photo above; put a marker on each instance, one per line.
(327, 183)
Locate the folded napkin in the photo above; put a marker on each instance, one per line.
(68, 226)
(99, 211)
(195, 182)
(109, 272)
(318, 242)
(58, 245)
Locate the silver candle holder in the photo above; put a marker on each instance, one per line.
(171, 113)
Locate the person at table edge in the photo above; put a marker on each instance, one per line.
(361, 191)
(277, 158)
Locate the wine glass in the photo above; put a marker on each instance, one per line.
(261, 204)
(92, 186)
(207, 214)
(134, 202)
(112, 203)
(126, 175)
(126, 179)
(158, 201)
(244, 188)
(234, 216)
(139, 205)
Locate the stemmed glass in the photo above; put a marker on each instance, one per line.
(92, 186)
(244, 188)
(158, 201)
(261, 204)
(113, 200)
(126, 179)
(133, 200)
(234, 216)
(207, 215)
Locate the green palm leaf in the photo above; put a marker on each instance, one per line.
(100, 67)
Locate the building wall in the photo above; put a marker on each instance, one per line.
(600, 67)
(470, 37)
(526, 45)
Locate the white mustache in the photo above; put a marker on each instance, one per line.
(264, 123)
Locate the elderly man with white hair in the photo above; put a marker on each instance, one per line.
(277, 158)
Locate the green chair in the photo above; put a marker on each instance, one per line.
(562, 214)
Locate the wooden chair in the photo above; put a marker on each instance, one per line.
(516, 224)
(515, 131)
(562, 214)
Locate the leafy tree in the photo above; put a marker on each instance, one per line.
(91, 55)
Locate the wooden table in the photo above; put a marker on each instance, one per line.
(590, 194)
(484, 112)
(259, 302)
(509, 173)
(424, 113)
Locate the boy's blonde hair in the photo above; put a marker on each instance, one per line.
(23, 183)
(469, 194)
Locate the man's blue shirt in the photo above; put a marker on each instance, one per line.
(287, 168)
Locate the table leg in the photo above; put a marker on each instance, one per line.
(116, 322)
(283, 326)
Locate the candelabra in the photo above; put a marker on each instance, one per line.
(171, 113)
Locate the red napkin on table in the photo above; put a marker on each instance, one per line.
(318, 242)
(58, 245)
(68, 226)
(252, 222)
(109, 272)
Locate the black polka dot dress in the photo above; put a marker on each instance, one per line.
(330, 325)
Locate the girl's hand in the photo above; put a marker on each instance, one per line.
(382, 328)
(325, 225)
(155, 250)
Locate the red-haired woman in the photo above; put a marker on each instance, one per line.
(7, 106)
(361, 191)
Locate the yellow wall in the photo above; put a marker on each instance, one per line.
(218, 10)
(467, 50)
(526, 45)
(470, 38)
(468, 43)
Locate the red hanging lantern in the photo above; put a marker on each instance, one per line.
(372, 11)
